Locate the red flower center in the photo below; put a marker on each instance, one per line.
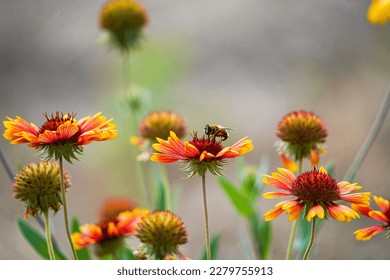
(207, 144)
(54, 121)
(315, 187)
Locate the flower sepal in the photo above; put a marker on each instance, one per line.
(194, 167)
(68, 151)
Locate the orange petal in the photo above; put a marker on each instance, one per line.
(272, 214)
(316, 210)
(288, 163)
(358, 198)
(379, 216)
(383, 204)
(368, 232)
(342, 213)
(270, 195)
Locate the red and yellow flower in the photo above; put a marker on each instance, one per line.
(382, 216)
(201, 154)
(317, 192)
(123, 225)
(302, 135)
(379, 12)
(60, 135)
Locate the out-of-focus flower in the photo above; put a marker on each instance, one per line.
(124, 20)
(201, 154)
(382, 216)
(301, 134)
(38, 186)
(108, 235)
(112, 207)
(162, 232)
(316, 191)
(157, 125)
(379, 12)
(60, 135)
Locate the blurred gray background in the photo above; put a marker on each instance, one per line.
(241, 63)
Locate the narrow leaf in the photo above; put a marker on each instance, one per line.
(126, 254)
(214, 245)
(242, 203)
(37, 240)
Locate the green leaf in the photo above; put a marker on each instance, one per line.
(160, 197)
(241, 202)
(82, 254)
(214, 245)
(125, 254)
(37, 240)
(262, 234)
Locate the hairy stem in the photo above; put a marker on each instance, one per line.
(312, 235)
(48, 236)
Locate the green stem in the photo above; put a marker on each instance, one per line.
(206, 218)
(48, 236)
(291, 239)
(370, 138)
(125, 73)
(312, 235)
(295, 223)
(66, 209)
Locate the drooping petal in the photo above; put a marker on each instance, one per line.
(272, 214)
(368, 232)
(362, 209)
(341, 213)
(288, 163)
(315, 210)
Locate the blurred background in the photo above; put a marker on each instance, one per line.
(243, 64)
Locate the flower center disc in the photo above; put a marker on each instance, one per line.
(207, 144)
(53, 122)
(316, 187)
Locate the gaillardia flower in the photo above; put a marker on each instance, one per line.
(124, 21)
(317, 192)
(60, 135)
(158, 125)
(38, 186)
(382, 215)
(379, 12)
(301, 134)
(108, 235)
(201, 154)
(161, 232)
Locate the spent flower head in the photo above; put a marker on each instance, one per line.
(157, 125)
(379, 12)
(301, 135)
(38, 186)
(314, 192)
(124, 21)
(161, 233)
(201, 154)
(61, 135)
(382, 215)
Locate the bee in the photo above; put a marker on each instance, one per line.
(216, 130)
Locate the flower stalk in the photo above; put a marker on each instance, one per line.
(48, 236)
(66, 220)
(312, 236)
(206, 218)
